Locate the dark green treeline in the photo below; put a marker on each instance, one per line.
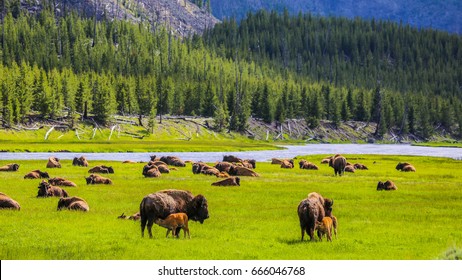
(69, 68)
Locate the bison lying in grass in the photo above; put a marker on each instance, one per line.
(174, 222)
(80, 161)
(387, 186)
(242, 171)
(172, 160)
(311, 210)
(58, 181)
(307, 165)
(10, 167)
(163, 203)
(36, 174)
(406, 167)
(53, 162)
(231, 181)
(151, 171)
(94, 179)
(46, 190)
(73, 203)
(288, 164)
(7, 202)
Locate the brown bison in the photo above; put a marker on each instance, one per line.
(101, 169)
(203, 168)
(325, 160)
(278, 160)
(288, 164)
(231, 181)
(73, 203)
(360, 166)
(163, 203)
(151, 171)
(325, 228)
(338, 162)
(94, 179)
(36, 174)
(53, 162)
(307, 165)
(172, 160)
(154, 158)
(406, 167)
(10, 167)
(311, 210)
(242, 171)
(249, 163)
(80, 161)
(387, 186)
(223, 166)
(349, 168)
(46, 190)
(7, 202)
(173, 222)
(58, 181)
(231, 158)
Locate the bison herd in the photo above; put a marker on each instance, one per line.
(172, 209)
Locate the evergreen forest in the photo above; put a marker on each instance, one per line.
(269, 66)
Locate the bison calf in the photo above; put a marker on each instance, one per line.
(174, 221)
(325, 228)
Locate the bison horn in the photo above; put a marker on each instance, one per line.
(332, 202)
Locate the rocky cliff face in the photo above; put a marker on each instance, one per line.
(183, 17)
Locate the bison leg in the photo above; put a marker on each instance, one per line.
(303, 233)
(168, 231)
(186, 230)
(312, 234)
(177, 231)
(143, 225)
(150, 223)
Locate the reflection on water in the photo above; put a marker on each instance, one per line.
(289, 152)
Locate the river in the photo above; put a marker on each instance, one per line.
(288, 152)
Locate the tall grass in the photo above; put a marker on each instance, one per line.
(257, 220)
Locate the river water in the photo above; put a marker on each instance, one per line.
(288, 152)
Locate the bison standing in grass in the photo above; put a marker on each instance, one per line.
(311, 210)
(338, 162)
(10, 167)
(36, 174)
(7, 202)
(174, 222)
(73, 203)
(163, 203)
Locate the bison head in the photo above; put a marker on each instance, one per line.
(238, 181)
(44, 175)
(89, 180)
(380, 186)
(328, 203)
(61, 203)
(196, 168)
(15, 167)
(44, 188)
(197, 209)
(253, 163)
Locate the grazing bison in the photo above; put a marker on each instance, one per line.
(80, 161)
(360, 166)
(58, 181)
(311, 210)
(163, 203)
(387, 186)
(242, 171)
(231, 181)
(73, 203)
(53, 162)
(172, 160)
(7, 202)
(36, 174)
(94, 179)
(325, 228)
(151, 171)
(10, 167)
(308, 165)
(173, 222)
(406, 167)
(46, 190)
(338, 162)
(288, 164)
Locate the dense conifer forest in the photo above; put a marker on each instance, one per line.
(271, 66)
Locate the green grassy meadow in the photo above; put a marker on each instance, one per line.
(256, 221)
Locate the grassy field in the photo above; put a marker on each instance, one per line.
(258, 220)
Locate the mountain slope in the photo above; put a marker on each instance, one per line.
(442, 15)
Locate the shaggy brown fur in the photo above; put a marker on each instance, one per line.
(360, 166)
(80, 161)
(172, 160)
(312, 209)
(287, 163)
(242, 171)
(250, 163)
(7, 202)
(203, 168)
(278, 160)
(325, 160)
(163, 203)
(97, 179)
(308, 165)
(231, 158)
(325, 228)
(406, 167)
(174, 221)
(349, 168)
(231, 181)
(223, 166)
(338, 162)
(151, 171)
(58, 181)
(73, 203)
(36, 174)
(387, 186)
(10, 167)
(53, 162)
(46, 190)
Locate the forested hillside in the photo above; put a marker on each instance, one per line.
(69, 68)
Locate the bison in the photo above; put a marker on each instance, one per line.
(7, 202)
(307, 165)
(97, 179)
(325, 228)
(231, 181)
(173, 222)
(58, 181)
(278, 160)
(46, 190)
(249, 163)
(288, 164)
(101, 169)
(231, 158)
(349, 168)
(360, 166)
(53, 162)
(223, 166)
(172, 160)
(387, 186)
(338, 162)
(163, 203)
(406, 167)
(311, 210)
(73, 203)
(36, 174)
(80, 161)
(151, 171)
(10, 167)
(242, 171)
